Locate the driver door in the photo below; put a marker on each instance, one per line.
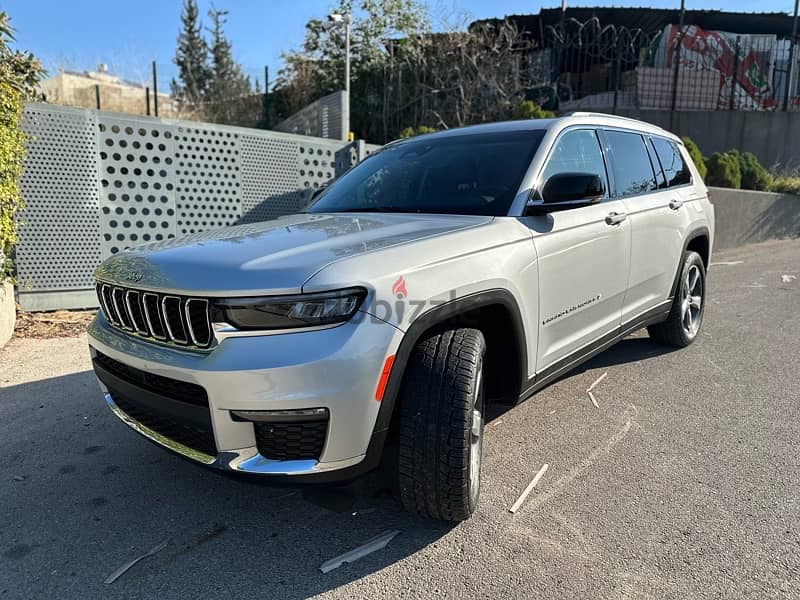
(583, 257)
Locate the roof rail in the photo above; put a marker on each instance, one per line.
(578, 113)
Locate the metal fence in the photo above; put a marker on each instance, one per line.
(675, 68)
(324, 118)
(96, 183)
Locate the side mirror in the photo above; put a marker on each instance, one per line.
(568, 190)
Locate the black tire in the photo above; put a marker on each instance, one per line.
(439, 431)
(677, 330)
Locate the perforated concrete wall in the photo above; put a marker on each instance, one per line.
(96, 183)
(59, 238)
(137, 182)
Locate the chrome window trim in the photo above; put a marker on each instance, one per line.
(597, 127)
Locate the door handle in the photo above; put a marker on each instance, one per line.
(675, 204)
(615, 218)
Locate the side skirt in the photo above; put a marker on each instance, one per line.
(566, 364)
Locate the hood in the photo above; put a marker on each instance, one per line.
(274, 256)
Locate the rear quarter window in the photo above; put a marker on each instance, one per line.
(672, 162)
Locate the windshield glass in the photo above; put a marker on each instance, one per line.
(472, 174)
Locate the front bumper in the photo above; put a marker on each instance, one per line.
(335, 369)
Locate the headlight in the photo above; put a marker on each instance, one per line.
(290, 312)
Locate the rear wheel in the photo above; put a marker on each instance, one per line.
(686, 313)
(441, 425)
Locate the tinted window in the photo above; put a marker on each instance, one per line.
(577, 151)
(477, 174)
(633, 173)
(651, 152)
(675, 168)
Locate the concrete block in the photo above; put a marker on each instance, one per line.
(748, 217)
(8, 312)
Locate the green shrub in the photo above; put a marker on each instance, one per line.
(785, 185)
(696, 155)
(12, 152)
(410, 132)
(531, 110)
(754, 175)
(19, 73)
(724, 170)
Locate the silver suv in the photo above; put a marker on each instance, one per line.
(441, 273)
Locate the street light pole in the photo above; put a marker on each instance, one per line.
(347, 78)
(346, 20)
(790, 74)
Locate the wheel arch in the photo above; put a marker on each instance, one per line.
(495, 312)
(698, 240)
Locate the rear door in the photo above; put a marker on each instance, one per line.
(583, 256)
(655, 208)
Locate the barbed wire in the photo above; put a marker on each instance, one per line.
(607, 42)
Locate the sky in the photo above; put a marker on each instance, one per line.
(129, 34)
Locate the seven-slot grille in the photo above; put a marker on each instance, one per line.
(162, 317)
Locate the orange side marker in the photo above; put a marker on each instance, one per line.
(387, 369)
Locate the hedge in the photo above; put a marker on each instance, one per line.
(12, 153)
(696, 156)
(724, 170)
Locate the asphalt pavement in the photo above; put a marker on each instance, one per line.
(684, 483)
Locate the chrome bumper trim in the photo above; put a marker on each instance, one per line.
(202, 457)
(245, 460)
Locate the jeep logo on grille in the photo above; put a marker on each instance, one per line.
(133, 276)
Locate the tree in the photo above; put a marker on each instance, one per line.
(191, 57)
(19, 70)
(317, 69)
(404, 75)
(410, 132)
(459, 78)
(228, 86)
(375, 23)
(530, 110)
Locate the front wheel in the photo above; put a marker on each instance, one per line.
(441, 426)
(686, 314)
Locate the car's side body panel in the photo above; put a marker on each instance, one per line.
(583, 273)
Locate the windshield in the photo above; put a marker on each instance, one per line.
(471, 174)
